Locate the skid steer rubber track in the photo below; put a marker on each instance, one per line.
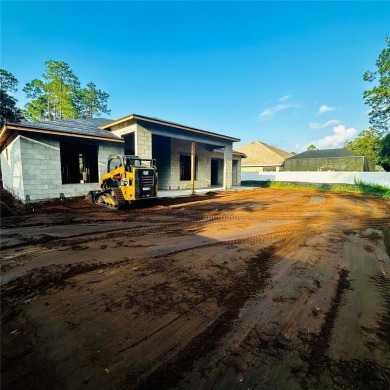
(111, 198)
(121, 202)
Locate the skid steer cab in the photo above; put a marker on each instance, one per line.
(128, 178)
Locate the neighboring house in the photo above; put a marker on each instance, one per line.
(65, 158)
(262, 157)
(341, 160)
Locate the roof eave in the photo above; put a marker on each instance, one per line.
(117, 122)
(7, 127)
(235, 152)
(165, 123)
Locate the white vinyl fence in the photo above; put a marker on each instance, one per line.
(381, 178)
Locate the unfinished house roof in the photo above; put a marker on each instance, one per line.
(84, 128)
(261, 154)
(342, 152)
(130, 119)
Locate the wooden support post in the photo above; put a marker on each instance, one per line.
(193, 167)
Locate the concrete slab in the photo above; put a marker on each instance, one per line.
(179, 193)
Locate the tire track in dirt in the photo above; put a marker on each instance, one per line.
(170, 373)
(39, 280)
(382, 283)
(276, 234)
(319, 344)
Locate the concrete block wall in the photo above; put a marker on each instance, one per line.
(33, 171)
(12, 169)
(228, 167)
(81, 189)
(181, 147)
(142, 139)
(104, 151)
(41, 167)
(236, 171)
(143, 142)
(220, 172)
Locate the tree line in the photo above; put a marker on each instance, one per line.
(57, 95)
(374, 143)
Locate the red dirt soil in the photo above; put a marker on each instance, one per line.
(259, 289)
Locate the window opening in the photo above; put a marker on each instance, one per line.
(185, 167)
(79, 163)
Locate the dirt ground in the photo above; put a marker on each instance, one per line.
(255, 289)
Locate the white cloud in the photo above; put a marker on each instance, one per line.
(340, 135)
(284, 98)
(316, 125)
(269, 112)
(325, 108)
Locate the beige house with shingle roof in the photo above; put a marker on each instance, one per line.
(262, 157)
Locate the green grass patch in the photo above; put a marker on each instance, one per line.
(373, 189)
(358, 187)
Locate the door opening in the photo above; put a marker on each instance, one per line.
(214, 172)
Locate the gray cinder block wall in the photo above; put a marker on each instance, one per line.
(143, 142)
(40, 164)
(236, 172)
(203, 178)
(142, 139)
(12, 169)
(228, 167)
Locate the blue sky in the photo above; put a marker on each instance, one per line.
(285, 73)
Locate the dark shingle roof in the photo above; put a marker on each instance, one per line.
(326, 153)
(87, 127)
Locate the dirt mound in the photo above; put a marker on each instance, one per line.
(9, 204)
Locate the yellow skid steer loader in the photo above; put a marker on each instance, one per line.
(128, 178)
